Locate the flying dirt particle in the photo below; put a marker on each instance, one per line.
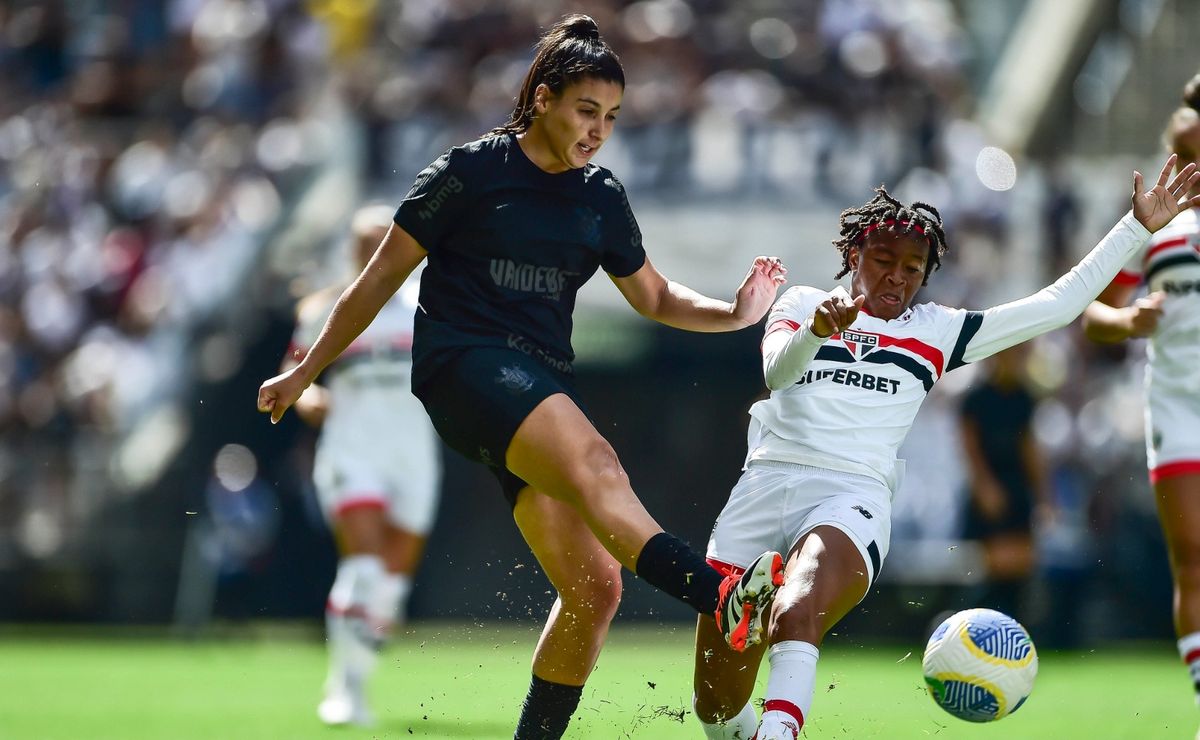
(676, 714)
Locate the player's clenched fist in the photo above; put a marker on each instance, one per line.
(280, 392)
(1144, 314)
(835, 313)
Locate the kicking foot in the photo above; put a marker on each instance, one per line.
(744, 600)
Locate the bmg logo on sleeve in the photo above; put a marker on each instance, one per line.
(438, 198)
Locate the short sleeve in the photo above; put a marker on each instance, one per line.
(437, 200)
(623, 251)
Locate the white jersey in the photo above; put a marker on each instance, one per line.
(847, 402)
(853, 405)
(377, 445)
(1170, 263)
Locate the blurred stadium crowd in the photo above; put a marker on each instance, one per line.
(174, 173)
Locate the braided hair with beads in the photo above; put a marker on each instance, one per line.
(885, 212)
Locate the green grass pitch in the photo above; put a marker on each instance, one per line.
(466, 681)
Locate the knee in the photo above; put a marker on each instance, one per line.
(714, 704)
(596, 469)
(403, 547)
(361, 531)
(1186, 558)
(795, 619)
(597, 594)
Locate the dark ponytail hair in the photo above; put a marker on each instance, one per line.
(1191, 93)
(569, 51)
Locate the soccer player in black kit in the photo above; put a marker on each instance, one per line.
(512, 225)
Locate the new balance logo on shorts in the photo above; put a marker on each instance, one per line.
(862, 511)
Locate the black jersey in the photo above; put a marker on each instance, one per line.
(1002, 417)
(509, 247)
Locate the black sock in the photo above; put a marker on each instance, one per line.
(547, 710)
(668, 564)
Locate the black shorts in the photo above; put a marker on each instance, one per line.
(477, 400)
(1016, 519)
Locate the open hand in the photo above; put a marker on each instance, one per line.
(835, 313)
(1156, 207)
(757, 292)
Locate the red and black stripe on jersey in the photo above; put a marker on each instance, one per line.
(1170, 253)
(928, 375)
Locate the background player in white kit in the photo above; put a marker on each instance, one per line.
(1170, 316)
(848, 372)
(376, 471)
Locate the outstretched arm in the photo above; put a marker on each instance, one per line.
(1060, 303)
(397, 256)
(654, 296)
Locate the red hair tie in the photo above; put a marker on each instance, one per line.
(893, 222)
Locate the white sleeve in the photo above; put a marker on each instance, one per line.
(789, 345)
(998, 328)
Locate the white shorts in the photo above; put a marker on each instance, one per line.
(774, 504)
(1172, 434)
(402, 483)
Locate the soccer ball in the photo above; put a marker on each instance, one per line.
(979, 665)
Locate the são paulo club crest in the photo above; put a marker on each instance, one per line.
(859, 343)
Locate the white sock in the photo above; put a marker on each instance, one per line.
(789, 689)
(1189, 650)
(741, 727)
(337, 635)
(387, 604)
(352, 644)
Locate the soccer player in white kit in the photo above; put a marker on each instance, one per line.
(847, 372)
(377, 471)
(1169, 316)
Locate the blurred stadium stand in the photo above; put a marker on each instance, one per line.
(175, 173)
